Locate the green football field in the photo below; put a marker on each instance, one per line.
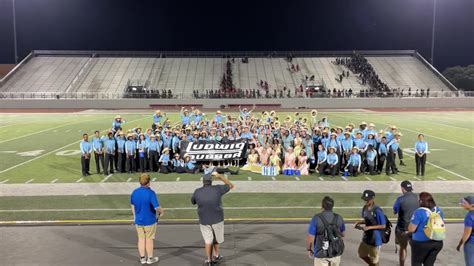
(44, 148)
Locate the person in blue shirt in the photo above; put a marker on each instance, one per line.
(467, 238)
(185, 118)
(145, 207)
(332, 161)
(392, 148)
(372, 223)
(117, 123)
(371, 154)
(244, 113)
(120, 139)
(316, 228)
(109, 146)
(322, 157)
(86, 150)
(423, 250)
(354, 163)
(165, 161)
(153, 153)
(382, 154)
(158, 118)
(98, 148)
(130, 146)
(421, 148)
(141, 147)
(346, 146)
(190, 165)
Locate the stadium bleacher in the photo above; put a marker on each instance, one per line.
(112, 75)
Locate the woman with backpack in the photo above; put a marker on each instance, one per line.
(427, 226)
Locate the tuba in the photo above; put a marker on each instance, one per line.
(277, 124)
(304, 120)
(288, 119)
(314, 113)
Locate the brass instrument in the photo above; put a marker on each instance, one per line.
(272, 113)
(288, 119)
(277, 124)
(297, 114)
(314, 113)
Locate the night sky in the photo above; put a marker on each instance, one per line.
(241, 25)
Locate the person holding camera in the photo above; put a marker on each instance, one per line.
(210, 212)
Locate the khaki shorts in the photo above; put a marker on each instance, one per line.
(327, 261)
(207, 233)
(147, 232)
(401, 239)
(372, 252)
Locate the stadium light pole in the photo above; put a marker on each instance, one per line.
(433, 33)
(14, 31)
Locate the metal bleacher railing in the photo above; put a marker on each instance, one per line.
(160, 95)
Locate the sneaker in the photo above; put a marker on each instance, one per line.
(208, 262)
(152, 260)
(402, 163)
(217, 259)
(143, 260)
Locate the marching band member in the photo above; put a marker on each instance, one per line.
(421, 148)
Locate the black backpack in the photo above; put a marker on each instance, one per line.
(329, 241)
(369, 236)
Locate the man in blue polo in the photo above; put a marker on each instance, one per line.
(145, 206)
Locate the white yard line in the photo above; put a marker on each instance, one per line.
(273, 178)
(55, 180)
(129, 179)
(297, 178)
(45, 130)
(321, 178)
(391, 178)
(193, 208)
(53, 151)
(154, 179)
(4, 181)
(368, 178)
(417, 178)
(178, 178)
(441, 178)
(79, 180)
(439, 167)
(344, 178)
(29, 181)
(200, 179)
(106, 178)
(250, 178)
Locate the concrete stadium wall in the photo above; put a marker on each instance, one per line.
(321, 103)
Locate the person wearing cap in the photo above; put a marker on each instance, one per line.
(219, 118)
(130, 147)
(372, 223)
(392, 148)
(86, 150)
(354, 163)
(421, 148)
(321, 160)
(154, 148)
(332, 162)
(346, 147)
(394, 144)
(185, 118)
(120, 140)
(404, 207)
(146, 210)
(109, 146)
(165, 161)
(141, 147)
(467, 238)
(334, 143)
(423, 249)
(244, 113)
(316, 229)
(98, 148)
(190, 164)
(208, 198)
(177, 164)
(371, 154)
(117, 123)
(158, 118)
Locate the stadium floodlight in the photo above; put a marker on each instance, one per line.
(433, 32)
(14, 30)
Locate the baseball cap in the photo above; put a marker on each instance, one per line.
(469, 199)
(368, 195)
(406, 185)
(207, 177)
